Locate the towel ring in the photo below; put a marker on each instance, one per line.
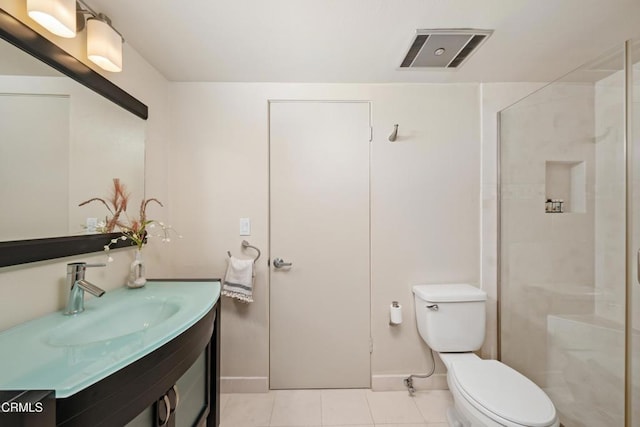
(246, 244)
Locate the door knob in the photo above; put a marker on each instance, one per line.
(279, 263)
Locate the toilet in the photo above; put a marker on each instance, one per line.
(451, 320)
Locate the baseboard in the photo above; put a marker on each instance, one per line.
(396, 382)
(378, 383)
(244, 384)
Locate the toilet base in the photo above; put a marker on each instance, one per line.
(464, 415)
(461, 416)
(453, 418)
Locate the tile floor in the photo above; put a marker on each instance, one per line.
(338, 408)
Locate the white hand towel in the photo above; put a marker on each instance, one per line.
(238, 281)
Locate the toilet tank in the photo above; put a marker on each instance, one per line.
(451, 318)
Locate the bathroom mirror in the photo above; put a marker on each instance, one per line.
(66, 133)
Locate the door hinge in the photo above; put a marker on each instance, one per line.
(370, 133)
(370, 345)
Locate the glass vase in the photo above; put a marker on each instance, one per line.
(136, 273)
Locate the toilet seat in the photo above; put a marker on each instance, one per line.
(502, 394)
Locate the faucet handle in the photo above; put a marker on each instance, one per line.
(82, 264)
(100, 264)
(76, 269)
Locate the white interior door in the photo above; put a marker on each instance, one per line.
(319, 214)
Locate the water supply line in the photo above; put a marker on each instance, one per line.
(408, 382)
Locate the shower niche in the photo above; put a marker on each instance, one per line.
(565, 187)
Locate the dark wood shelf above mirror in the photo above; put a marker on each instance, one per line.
(26, 251)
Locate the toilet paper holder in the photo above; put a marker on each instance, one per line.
(395, 314)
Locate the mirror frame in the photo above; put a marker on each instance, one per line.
(25, 38)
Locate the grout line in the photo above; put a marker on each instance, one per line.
(273, 404)
(413, 399)
(321, 410)
(366, 396)
(226, 402)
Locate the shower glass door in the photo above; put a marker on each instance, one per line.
(563, 241)
(633, 320)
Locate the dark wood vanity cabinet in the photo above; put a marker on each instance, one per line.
(176, 385)
(185, 404)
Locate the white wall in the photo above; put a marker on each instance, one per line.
(31, 290)
(425, 202)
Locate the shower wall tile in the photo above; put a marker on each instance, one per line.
(573, 226)
(572, 261)
(532, 210)
(587, 350)
(610, 230)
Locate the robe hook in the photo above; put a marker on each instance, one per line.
(394, 134)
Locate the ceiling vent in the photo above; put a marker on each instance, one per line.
(443, 48)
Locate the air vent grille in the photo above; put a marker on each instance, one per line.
(444, 49)
(414, 50)
(466, 51)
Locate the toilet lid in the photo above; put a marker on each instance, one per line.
(497, 388)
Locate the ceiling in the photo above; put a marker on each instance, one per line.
(364, 41)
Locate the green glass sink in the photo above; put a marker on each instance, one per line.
(70, 353)
(114, 322)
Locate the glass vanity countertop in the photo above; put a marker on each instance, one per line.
(70, 353)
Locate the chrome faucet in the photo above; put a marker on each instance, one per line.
(77, 285)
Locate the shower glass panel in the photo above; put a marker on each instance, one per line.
(563, 241)
(633, 350)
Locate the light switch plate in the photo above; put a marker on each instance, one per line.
(245, 227)
(91, 225)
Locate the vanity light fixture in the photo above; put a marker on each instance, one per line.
(104, 43)
(57, 16)
(66, 17)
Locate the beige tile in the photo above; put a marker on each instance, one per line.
(393, 407)
(247, 410)
(406, 425)
(345, 407)
(297, 408)
(433, 404)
